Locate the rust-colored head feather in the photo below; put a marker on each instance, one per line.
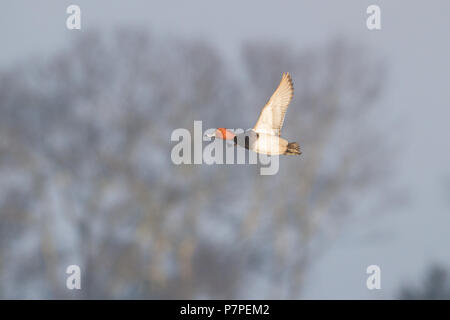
(224, 134)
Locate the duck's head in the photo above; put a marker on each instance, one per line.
(222, 133)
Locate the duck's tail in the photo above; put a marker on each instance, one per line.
(293, 149)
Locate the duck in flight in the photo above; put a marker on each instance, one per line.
(265, 136)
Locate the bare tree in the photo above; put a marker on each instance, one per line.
(436, 286)
(86, 176)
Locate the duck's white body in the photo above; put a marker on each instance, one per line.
(269, 144)
(262, 142)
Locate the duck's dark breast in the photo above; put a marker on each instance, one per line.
(246, 139)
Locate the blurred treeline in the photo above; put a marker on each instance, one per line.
(435, 286)
(86, 176)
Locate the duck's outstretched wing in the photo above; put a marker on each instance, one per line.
(272, 115)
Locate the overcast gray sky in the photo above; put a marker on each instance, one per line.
(414, 39)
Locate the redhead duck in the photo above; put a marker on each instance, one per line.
(265, 136)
